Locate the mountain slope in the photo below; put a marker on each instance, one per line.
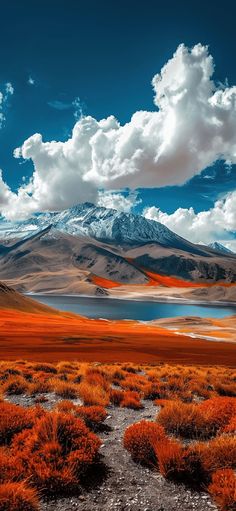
(53, 260)
(220, 248)
(11, 299)
(103, 224)
(63, 251)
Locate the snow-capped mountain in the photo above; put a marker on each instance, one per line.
(99, 223)
(62, 251)
(220, 248)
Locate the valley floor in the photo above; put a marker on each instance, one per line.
(55, 336)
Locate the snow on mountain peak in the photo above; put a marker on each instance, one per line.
(220, 248)
(100, 223)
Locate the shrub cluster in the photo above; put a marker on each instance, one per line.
(45, 451)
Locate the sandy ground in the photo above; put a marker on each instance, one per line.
(223, 329)
(188, 294)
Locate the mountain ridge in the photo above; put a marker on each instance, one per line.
(62, 251)
(108, 225)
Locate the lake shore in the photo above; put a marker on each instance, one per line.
(129, 297)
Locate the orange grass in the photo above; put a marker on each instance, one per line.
(13, 419)
(197, 420)
(75, 338)
(18, 497)
(93, 416)
(140, 440)
(131, 399)
(53, 450)
(56, 451)
(223, 489)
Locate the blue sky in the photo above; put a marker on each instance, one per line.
(65, 56)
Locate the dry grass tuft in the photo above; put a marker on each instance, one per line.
(18, 497)
(92, 394)
(131, 400)
(223, 489)
(13, 419)
(140, 440)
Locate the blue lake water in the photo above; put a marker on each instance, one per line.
(127, 309)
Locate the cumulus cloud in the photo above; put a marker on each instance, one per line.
(4, 97)
(118, 201)
(193, 125)
(218, 223)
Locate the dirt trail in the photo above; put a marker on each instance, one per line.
(126, 485)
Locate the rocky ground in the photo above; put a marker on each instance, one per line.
(119, 484)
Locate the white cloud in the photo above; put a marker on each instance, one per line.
(231, 245)
(78, 106)
(4, 96)
(59, 105)
(31, 81)
(216, 224)
(193, 126)
(118, 201)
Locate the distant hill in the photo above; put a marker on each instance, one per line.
(11, 299)
(220, 248)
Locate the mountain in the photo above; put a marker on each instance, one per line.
(220, 248)
(51, 259)
(11, 299)
(64, 252)
(108, 225)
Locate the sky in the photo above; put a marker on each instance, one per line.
(126, 104)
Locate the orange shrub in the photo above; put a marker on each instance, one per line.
(197, 421)
(161, 402)
(93, 395)
(10, 467)
(39, 387)
(46, 368)
(220, 452)
(183, 464)
(56, 451)
(134, 382)
(116, 396)
(66, 406)
(65, 389)
(13, 419)
(218, 411)
(223, 489)
(93, 416)
(181, 419)
(169, 456)
(129, 368)
(131, 400)
(226, 389)
(231, 426)
(15, 385)
(151, 391)
(18, 497)
(97, 378)
(140, 440)
(118, 375)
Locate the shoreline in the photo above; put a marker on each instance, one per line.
(184, 301)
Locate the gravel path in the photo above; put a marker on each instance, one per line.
(127, 486)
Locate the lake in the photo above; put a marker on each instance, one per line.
(110, 308)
